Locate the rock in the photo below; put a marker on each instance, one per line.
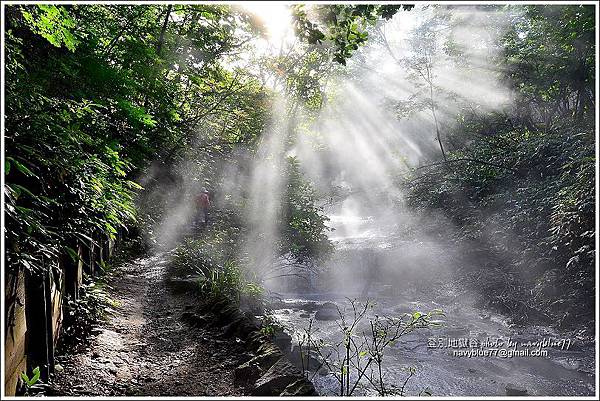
(311, 361)
(304, 314)
(305, 306)
(245, 356)
(283, 340)
(194, 319)
(255, 340)
(251, 305)
(267, 354)
(299, 388)
(246, 373)
(251, 370)
(276, 379)
(513, 389)
(327, 311)
(182, 285)
(231, 329)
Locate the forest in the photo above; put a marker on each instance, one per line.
(228, 199)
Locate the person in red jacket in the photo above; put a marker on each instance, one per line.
(203, 202)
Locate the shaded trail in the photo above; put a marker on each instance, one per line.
(145, 348)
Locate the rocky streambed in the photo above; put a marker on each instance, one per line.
(472, 352)
(439, 357)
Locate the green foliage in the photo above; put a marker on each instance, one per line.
(517, 192)
(81, 315)
(270, 326)
(213, 258)
(536, 217)
(344, 26)
(356, 358)
(29, 382)
(130, 89)
(222, 282)
(52, 23)
(81, 124)
(228, 282)
(550, 57)
(303, 229)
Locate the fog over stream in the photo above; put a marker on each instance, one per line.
(364, 147)
(356, 154)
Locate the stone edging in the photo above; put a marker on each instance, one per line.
(269, 372)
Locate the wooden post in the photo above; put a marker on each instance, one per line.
(73, 273)
(88, 257)
(38, 323)
(108, 249)
(93, 255)
(101, 251)
(49, 318)
(15, 359)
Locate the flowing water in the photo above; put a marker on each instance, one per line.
(562, 370)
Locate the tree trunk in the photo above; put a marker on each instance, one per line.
(161, 38)
(437, 126)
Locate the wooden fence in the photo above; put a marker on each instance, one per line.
(34, 308)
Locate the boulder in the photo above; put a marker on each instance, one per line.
(184, 284)
(246, 373)
(299, 388)
(276, 379)
(283, 340)
(305, 306)
(251, 370)
(513, 389)
(327, 311)
(266, 355)
(310, 359)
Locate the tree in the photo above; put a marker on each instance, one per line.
(344, 27)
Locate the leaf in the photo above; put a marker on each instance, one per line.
(134, 185)
(22, 168)
(34, 379)
(19, 189)
(54, 24)
(87, 237)
(36, 375)
(72, 253)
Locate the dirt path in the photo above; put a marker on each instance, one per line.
(144, 348)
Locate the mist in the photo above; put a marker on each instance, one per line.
(358, 148)
(300, 199)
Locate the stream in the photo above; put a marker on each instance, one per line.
(449, 360)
